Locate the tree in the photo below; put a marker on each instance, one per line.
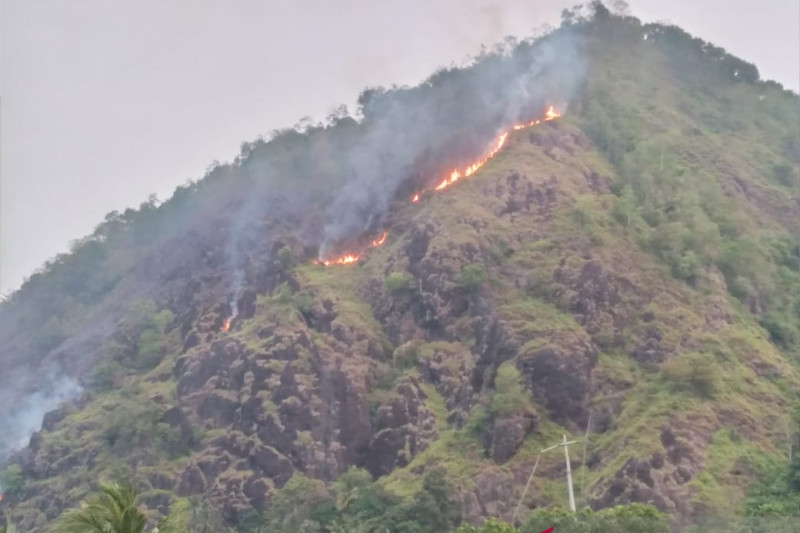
(292, 506)
(112, 510)
(633, 518)
(434, 506)
(472, 276)
(695, 372)
(350, 486)
(144, 330)
(397, 283)
(490, 526)
(11, 479)
(510, 396)
(194, 515)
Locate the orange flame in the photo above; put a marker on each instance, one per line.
(1, 496)
(454, 176)
(227, 325)
(352, 258)
(344, 260)
(381, 240)
(551, 114)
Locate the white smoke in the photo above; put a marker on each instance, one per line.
(456, 110)
(17, 425)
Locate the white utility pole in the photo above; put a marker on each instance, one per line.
(569, 475)
(563, 443)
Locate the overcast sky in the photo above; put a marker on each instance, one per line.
(107, 101)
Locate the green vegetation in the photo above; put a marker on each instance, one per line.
(355, 503)
(510, 396)
(472, 276)
(672, 196)
(635, 518)
(693, 372)
(11, 479)
(140, 345)
(112, 510)
(777, 495)
(398, 283)
(633, 267)
(193, 515)
(133, 426)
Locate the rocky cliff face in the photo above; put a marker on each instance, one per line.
(410, 358)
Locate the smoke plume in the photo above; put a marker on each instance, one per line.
(320, 184)
(342, 176)
(454, 115)
(19, 423)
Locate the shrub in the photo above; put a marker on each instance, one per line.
(283, 295)
(694, 372)
(631, 518)
(510, 396)
(472, 276)
(130, 425)
(148, 348)
(144, 332)
(105, 374)
(139, 317)
(303, 301)
(397, 283)
(406, 356)
(500, 250)
(170, 440)
(292, 505)
(687, 266)
(285, 258)
(780, 328)
(11, 479)
(490, 526)
(540, 283)
(435, 508)
(784, 174)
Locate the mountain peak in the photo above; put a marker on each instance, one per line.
(428, 287)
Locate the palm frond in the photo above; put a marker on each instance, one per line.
(112, 510)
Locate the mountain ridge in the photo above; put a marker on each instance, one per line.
(617, 265)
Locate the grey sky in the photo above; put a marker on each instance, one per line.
(107, 101)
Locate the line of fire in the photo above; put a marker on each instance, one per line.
(449, 179)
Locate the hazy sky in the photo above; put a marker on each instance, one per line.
(107, 101)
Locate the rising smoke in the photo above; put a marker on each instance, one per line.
(357, 166)
(453, 115)
(329, 183)
(20, 422)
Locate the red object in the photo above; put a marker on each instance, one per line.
(549, 530)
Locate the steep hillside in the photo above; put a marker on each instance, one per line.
(629, 272)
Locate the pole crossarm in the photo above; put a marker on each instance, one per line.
(565, 443)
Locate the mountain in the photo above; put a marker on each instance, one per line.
(626, 273)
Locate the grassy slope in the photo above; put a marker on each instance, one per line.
(725, 139)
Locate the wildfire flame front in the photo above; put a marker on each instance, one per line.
(381, 240)
(454, 176)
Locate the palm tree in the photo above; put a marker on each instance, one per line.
(112, 510)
